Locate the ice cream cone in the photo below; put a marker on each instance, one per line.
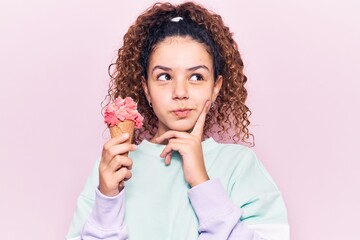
(121, 128)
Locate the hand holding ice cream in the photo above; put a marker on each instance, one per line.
(115, 166)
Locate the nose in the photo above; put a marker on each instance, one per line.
(180, 89)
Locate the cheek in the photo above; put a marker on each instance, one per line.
(160, 101)
(203, 94)
(160, 97)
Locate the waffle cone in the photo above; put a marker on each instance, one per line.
(121, 128)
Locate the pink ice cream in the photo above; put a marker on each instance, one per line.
(122, 110)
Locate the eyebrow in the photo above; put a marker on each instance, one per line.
(189, 69)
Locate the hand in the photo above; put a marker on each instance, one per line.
(115, 168)
(189, 147)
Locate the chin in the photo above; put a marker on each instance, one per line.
(182, 127)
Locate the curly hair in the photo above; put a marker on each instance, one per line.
(229, 114)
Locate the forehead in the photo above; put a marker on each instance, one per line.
(182, 51)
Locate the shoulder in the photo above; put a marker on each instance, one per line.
(235, 155)
(236, 149)
(241, 166)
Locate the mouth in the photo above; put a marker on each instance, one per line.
(182, 113)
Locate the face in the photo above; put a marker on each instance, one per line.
(180, 81)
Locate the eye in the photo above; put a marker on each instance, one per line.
(196, 77)
(164, 77)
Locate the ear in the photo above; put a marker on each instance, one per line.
(145, 88)
(217, 87)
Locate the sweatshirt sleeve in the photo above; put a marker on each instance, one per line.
(106, 221)
(219, 217)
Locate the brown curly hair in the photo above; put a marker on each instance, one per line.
(229, 111)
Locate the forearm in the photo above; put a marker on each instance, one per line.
(107, 219)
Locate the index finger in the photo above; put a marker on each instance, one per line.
(120, 138)
(116, 140)
(200, 122)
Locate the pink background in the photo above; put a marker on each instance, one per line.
(302, 60)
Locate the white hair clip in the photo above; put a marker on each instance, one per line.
(176, 19)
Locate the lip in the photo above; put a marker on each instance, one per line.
(182, 113)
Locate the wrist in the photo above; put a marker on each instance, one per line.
(109, 192)
(199, 180)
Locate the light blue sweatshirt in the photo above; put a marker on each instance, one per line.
(240, 201)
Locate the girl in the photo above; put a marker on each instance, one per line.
(182, 66)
